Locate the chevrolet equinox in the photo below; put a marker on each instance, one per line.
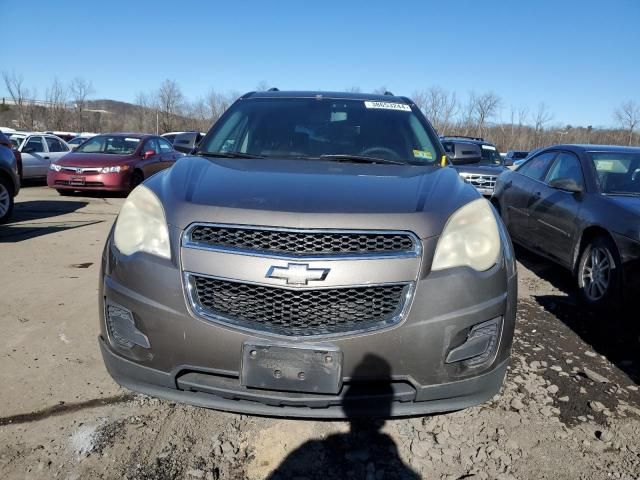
(308, 234)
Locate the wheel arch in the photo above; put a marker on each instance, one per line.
(588, 234)
(9, 178)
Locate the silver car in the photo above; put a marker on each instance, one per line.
(314, 257)
(38, 151)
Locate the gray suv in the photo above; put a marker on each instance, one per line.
(313, 253)
(9, 178)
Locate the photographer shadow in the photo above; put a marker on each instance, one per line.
(365, 452)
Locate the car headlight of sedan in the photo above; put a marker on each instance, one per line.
(116, 169)
(142, 225)
(55, 167)
(470, 238)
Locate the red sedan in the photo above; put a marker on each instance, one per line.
(113, 162)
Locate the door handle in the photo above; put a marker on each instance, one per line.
(46, 158)
(537, 194)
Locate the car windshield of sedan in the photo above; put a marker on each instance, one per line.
(109, 144)
(618, 173)
(323, 128)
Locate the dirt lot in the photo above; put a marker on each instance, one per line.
(570, 407)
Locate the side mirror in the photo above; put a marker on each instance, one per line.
(566, 184)
(507, 162)
(464, 153)
(148, 154)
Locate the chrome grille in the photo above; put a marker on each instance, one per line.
(487, 182)
(301, 243)
(299, 313)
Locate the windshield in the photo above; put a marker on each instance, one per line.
(618, 173)
(312, 128)
(110, 144)
(16, 141)
(490, 155)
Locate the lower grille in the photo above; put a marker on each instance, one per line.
(299, 313)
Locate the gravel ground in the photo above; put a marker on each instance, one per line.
(569, 408)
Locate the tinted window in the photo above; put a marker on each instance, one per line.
(55, 145)
(110, 144)
(566, 165)
(151, 144)
(618, 173)
(537, 167)
(308, 128)
(165, 146)
(36, 144)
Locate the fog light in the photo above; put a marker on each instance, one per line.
(122, 328)
(480, 345)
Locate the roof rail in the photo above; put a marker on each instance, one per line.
(389, 93)
(478, 139)
(273, 89)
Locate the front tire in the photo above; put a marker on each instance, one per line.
(136, 179)
(600, 274)
(6, 199)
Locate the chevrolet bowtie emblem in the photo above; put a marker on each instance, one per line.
(298, 273)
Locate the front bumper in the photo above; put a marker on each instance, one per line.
(65, 180)
(197, 361)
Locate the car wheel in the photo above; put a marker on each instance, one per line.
(64, 192)
(600, 274)
(136, 179)
(6, 200)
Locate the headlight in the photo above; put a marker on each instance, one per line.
(470, 238)
(142, 226)
(110, 170)
(55, 167)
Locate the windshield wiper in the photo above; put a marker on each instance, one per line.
(228, 155)
(360, 158)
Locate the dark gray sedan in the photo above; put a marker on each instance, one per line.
(579, 205)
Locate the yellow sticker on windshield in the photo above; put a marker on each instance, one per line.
(423, 154)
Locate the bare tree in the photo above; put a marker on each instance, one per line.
(353, 89)
(438, 105)
(170, 102)
(80, 90)
(484, 107)
(217, 104)
(263, 86)
(56, 97)
(381, 90)
(21, 96)
(541, 118)
(627, 116)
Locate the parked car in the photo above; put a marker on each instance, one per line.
(314, 241)
(16, 139)
(187, 141)
(9, 178)
(77, 141)
(480, 169)
(171, 136)
(514, 156)
(38, 150)
(114, 162)
(579, 206)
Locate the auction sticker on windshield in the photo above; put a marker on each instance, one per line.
(388, 106)
(488, 147)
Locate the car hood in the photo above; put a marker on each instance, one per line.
(79, 159)
(310, 194)
(480, 169)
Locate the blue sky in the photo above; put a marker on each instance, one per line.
(580, 57)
